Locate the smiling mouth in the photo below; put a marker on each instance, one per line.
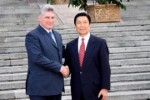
(82, 29)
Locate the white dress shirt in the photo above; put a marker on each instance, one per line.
(86, 39)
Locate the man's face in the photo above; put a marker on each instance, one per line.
(82, 25)
(47, 20)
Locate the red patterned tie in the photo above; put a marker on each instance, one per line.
(81, 52)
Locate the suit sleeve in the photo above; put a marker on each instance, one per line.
(105, 66)
(67, 57)
(35, 54)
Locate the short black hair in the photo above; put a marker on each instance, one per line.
(82, 14)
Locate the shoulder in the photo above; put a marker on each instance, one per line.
(98, 39)
(33, 34)
(101, 43)
(72, 42)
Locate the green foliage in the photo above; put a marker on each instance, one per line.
(83, 3)
(49, 1)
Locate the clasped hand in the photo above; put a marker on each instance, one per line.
(65, 71)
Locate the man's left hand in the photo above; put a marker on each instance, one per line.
(104, 93)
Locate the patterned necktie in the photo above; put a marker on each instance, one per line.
(81, 52)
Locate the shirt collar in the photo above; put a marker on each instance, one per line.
(46, 29)
(85, 37)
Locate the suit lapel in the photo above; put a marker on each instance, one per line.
(47, 36)
(75, 51)
(58, 41)
(89, 49)
(51, 40)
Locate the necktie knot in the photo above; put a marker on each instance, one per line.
(50, 33)
(82, 39)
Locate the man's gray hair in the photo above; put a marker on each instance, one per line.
(46, 7)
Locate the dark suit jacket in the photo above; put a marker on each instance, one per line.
(95, 72)
(44, 63)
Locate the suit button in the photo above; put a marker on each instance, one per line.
(80, 72)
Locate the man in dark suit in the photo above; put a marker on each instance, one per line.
(45, 70)
(88, 59)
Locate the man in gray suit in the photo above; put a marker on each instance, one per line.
(44, 48)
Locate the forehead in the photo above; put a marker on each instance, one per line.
(82, 18)
(48, 13)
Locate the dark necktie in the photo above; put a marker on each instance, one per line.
(81, 52)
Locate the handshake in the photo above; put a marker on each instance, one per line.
(65, 71)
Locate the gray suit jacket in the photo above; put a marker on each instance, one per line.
(44, 63)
